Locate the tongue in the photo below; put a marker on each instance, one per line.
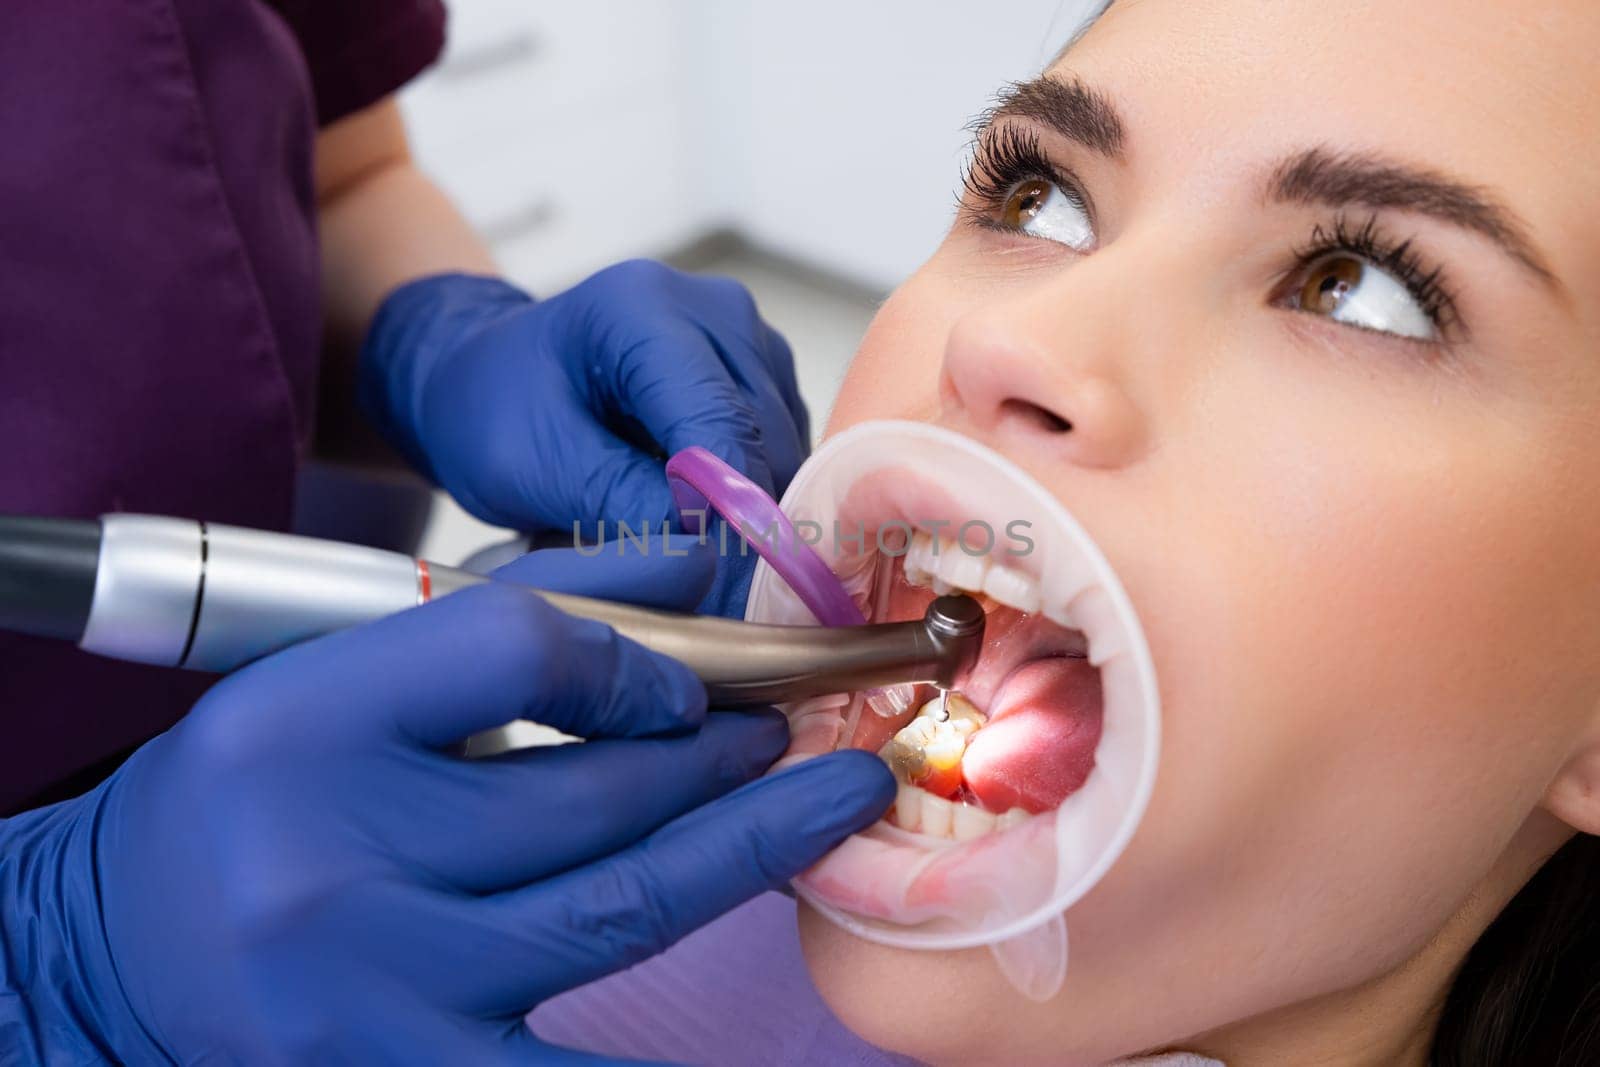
(1039, 744)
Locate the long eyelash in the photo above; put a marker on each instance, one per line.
(1004, 156)
(1428, 287)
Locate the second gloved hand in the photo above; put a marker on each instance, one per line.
(537, 415)
(301, 871)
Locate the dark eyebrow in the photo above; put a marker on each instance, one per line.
(1069, 107)
(1323, 176)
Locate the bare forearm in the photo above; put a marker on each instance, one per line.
(394, 226)
(383, 223)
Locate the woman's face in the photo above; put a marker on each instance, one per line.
(1293, 306)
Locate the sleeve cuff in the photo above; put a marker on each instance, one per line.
(374, 65)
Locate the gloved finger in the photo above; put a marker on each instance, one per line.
(672, 572)
(576, 470)
(731, 589)
(753, 350)
(676, 385)
(761, 365)
(621, 483)
(611, 914)
(474, 660)
(524, 815)
(779, 359)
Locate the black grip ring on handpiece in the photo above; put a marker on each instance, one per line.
(955, 622)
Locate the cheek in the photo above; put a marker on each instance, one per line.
(895, 373)
(1363, 609)
(1365, 635)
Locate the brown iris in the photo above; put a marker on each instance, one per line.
(1329, 282)
(1024, 203)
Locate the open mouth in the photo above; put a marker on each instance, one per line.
(1017, 734)
(1024, 782)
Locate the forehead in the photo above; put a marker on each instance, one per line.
(1500, 93)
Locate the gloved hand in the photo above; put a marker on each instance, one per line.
(300, 871)
(535, 416)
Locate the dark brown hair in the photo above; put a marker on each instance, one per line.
(1529, 991)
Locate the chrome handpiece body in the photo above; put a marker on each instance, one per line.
(179, 593)
(745, 664)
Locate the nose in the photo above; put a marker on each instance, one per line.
(1041, 369)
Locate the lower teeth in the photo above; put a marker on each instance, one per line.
(926, 757)
(922, 812)
(927, 751)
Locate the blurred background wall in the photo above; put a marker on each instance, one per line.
(811, 150)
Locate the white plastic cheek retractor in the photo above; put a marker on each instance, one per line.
(1010, 888)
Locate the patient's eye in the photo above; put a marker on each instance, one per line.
(1361, 277)
(1041, 208)
(1014, 187)
(1348, 289)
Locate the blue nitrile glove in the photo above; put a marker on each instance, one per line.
(301, 872)
(536, 416)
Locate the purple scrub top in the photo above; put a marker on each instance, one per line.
(159, 314)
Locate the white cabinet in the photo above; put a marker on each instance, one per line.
(843, 122)
(579, 132)
(558, 129)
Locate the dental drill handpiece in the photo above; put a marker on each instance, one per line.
(180, 593)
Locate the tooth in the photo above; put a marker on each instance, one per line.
(944, 748)
(904, 757)
(936, 812)
(908, 807)
(960, 569)
(965, 718)
(1012, 588)
(942, 587)
(920, 560)
(971, 821)
(927, 751)
(1097, 618)
(1011, 817)
(1063, 586)
(1062, 616)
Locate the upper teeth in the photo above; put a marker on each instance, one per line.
(947, 566)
